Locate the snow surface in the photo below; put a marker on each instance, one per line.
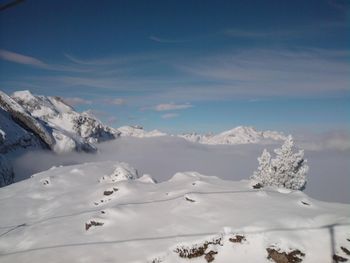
(68, 214)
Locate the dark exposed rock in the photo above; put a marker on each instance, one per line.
(209, 257)
(198, 250)
(92, 223)
(345, 250)
(237, 239)
(294, 256)
(189, 200)
(337, 258)
(6, 172)
(107, 192)
(258, 186)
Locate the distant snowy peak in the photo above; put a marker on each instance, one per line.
(238, 135)
(138, 131)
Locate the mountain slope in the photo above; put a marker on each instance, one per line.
(103, 212)
(23, 118)
(55, 123)
(62, 117)
(29, 122)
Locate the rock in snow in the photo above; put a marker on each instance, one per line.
(67, 214)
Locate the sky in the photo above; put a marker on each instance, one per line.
(182, 66)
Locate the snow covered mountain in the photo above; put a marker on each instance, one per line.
(106, 212)
(54, 122)
(29, 122)
(138, 131)
(238, 135)
(71, 130)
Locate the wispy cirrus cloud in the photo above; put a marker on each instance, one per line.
(35, 62)
(21, 59)
(113, 60)
(167, 40)
(172, 106)
(245, 73)
(116, 101)
(311, 30)
(170, 115)
(74, 101)
(264, 72)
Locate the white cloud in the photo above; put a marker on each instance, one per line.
(164, 40)
(228, 75)
(73, 101)
(169, 115)
(21, 59)
(334, 140)
(262, 73)
(117, 101)
(172, 106)
(34, 62)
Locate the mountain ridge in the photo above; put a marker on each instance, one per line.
(29, 122)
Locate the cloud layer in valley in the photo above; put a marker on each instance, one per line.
(162, 157)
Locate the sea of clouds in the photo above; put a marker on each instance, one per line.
(162, 157)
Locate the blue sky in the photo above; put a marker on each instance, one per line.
(185, 65)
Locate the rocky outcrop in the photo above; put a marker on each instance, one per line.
(6, 171)
(26, 120)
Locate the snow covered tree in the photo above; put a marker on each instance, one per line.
(288, 169)
(263, 174)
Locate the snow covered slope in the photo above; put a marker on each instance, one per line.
(238, 135)
(72, 130)
(23, 118)
(29, 122)
(103, 212)
(57, 124)
(138, 131)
